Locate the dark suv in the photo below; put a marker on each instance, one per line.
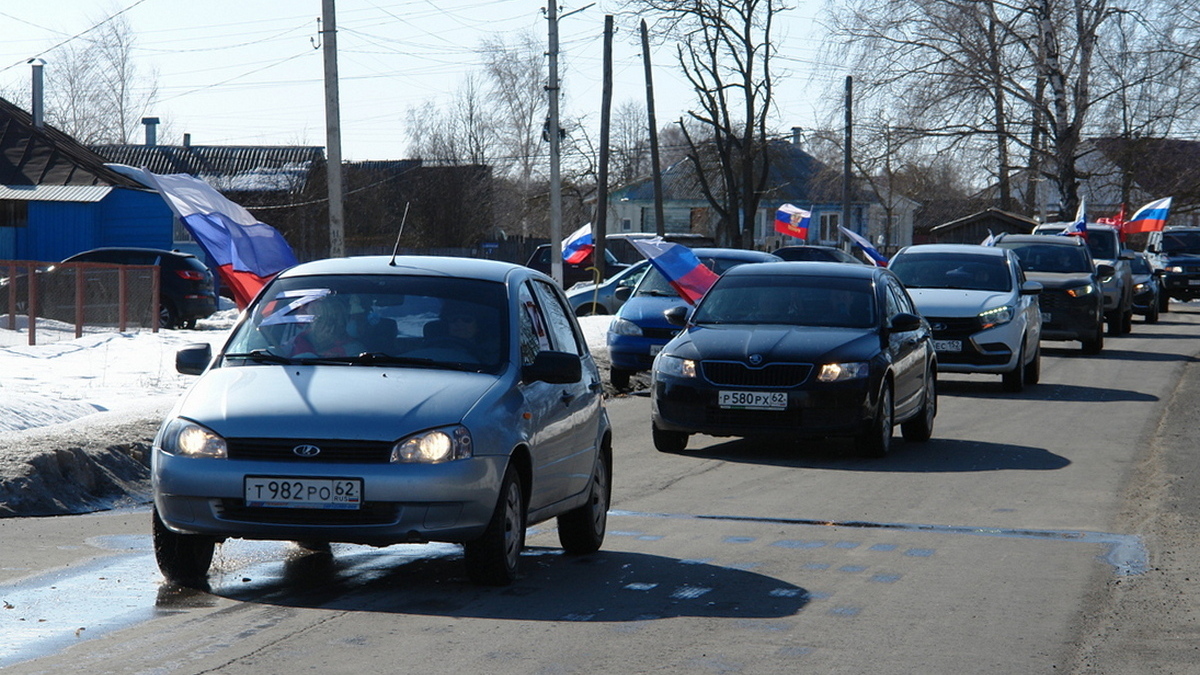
(1072, 299)
(186, 286)
(1181, 253)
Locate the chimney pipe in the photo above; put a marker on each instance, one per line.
(187, 140)
(39, 109)
(151, 130)
(796, 131)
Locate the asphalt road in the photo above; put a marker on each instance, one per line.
(1052, 531)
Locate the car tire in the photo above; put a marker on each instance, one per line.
(1127, 322)
(1164, 302)
(492, 559)
(1096, 344)
(1152, 313)
(1114, 322)
(668, 441)
(182, 558)
(876, 441)
(591, 309)
(1014, 380)
(619, 378)
(167, 316)
(1033, 369)
(920, 428)
(581, 530)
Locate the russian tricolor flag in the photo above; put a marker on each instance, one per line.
(1150, 218)
(577, 247)
(682, 269)
(792, 221)
(247, 253)
(861, 242)
(1078, 228)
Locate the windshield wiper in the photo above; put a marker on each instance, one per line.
(261, 356)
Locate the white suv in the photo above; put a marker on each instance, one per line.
(984, 313)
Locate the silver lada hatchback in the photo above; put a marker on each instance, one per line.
(383, 400)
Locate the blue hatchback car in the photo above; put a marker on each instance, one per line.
(639, 330)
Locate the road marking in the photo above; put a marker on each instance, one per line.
(1126, 552)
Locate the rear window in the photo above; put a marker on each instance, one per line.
(953, 270)
(1051, 258)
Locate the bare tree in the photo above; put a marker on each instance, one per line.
(724, 49)
(94, 90)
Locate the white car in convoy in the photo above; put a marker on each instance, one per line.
(983, 311)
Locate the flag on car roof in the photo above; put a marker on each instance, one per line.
(681, 268)
(862, 243)
(792, 221)
(1078, 227)
(248, 253)
(1150, 218)
(577, 247)
(1117, 220)
(989, 240)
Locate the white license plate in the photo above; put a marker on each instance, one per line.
(290, 492)
(655, 349)
(1193, 282)
(753, 400)
(947, 345)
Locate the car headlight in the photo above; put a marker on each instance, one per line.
(675, 366)
(839, 372)
(996, 316)
(435, 445)
(621, 326)
(1081, 291)
(1141, 288)
(188, 439)
(1175, 269)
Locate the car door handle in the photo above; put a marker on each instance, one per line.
(567, 397)
(595, 385)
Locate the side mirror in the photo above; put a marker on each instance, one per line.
(1031, 288)
(193, 359)
(554, 368)
(677, 316)
(1126, 254)
(1105, 271)
(905, 322)
(623, 292)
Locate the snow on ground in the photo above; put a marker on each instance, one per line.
(119, 374)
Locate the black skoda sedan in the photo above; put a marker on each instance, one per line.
(797, 350)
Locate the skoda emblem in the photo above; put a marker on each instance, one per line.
(756, 359)
(306, 450)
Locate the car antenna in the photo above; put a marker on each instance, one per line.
(395, 248)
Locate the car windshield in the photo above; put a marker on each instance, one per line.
(1139, 265)
(1181, 242)
(1103, 244)
(789, 300)
(376, 320)
(1050, 258)
(953, 270)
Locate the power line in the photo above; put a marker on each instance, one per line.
(74, 37)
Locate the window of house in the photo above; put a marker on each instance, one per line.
(829, 225)
(14, 213)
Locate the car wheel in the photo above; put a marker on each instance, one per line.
(167, 317)
(619, 378)
(591, 309)
(182, 558)
(1127, 322)
(581, 530)
(1096, 344)
(492, 559)
(1014, 380)
(877, 440)
(1114, 324)
(1033, 369)
(1164, 302)
(1152, 313)
(668, 441)
(190, 324)
(920, 428)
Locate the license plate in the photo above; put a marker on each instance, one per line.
(290, 492)
(753, 400)
(655, 349)
(1045, 317)
(1193, 282)
(947, 345)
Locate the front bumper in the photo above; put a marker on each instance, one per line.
(451, 501)
(992, 350)
(1070, 318)
(1183, 285)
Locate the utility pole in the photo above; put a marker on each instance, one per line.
(333, 132)
(655, 170)
(600, 222)
(556, 269)
(846, 154)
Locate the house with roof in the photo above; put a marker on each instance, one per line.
(58, 198)
(794, 177)
(976, 227)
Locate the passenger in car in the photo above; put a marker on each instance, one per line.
(327, 334)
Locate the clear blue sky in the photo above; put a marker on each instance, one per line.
(246, 71)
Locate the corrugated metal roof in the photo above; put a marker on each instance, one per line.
(55, 193)
(226, 168)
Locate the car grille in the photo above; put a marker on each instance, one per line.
(371, 513)
(956, 328)
(735, 374)
(1050, 301)
(280, 450)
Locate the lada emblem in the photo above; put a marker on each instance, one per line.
(937, 327)
(306, 450)
(756, 359)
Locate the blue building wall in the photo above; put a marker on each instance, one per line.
(135, 218)
(56, 230)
